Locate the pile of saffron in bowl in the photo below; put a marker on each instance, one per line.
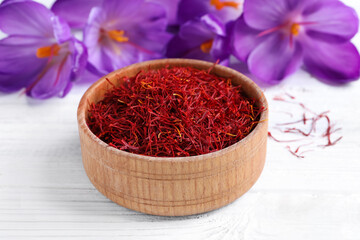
(173, 112)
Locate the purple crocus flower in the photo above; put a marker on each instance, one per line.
(39, 53)
(281, 35)
(121, 32)
(225, 11)
(204, 39)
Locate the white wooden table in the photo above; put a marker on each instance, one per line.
(45, 193)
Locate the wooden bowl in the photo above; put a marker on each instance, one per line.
(173, 186)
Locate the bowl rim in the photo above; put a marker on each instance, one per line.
(171, 61)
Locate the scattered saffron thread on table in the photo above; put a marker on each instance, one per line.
(171, 112)
(309, 119)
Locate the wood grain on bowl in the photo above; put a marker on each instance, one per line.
(173, 186)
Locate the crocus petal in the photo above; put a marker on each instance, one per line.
(88, 75)
(178, 47)
(171, 8)
(117, 10)
(77, 49)
(5, 2)
(222, 46)
(240, 66)
(263, 15)
(18, 62)
(127, 55)
(274, 59)
(91, 40)
(339, 63)
(79, 58)
(54, 80)
(62, 32)
(92, 29)
(75, 12)
(220, 49)
(99, 58)
(333, 22)
(191, 9)
(36, 16)
(244, 39)
(94, 70)
(214, 24)
(196, 32)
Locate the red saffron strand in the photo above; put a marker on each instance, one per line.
(289, 95)
(279, 98)
(294, 152)
(282, 141)
(305, 121)
(171, 112)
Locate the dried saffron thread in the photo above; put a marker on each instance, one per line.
(298, 155)
(173, 111)
(282, 141)
(312, 121)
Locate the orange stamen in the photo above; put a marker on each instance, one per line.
(295, 29)
(118, 35)
(220, 5)
(206, 46)
(48, 51)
